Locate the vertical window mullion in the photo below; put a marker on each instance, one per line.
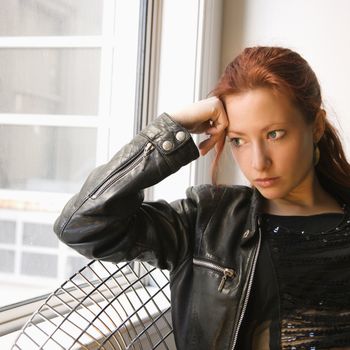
(105, 90)
(148, 63)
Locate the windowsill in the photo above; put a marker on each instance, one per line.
(12, 293)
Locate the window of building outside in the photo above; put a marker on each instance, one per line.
(67, 96)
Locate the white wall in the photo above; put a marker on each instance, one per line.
(317, 29)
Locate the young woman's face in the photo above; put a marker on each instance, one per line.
(271, 142)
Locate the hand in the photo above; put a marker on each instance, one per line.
(205, 116)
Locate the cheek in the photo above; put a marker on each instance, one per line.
(242, 159)
(297, 155)
(293, 158)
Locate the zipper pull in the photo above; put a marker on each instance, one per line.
(148, 149)
(228, 273)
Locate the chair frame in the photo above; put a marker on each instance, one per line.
(104, 306)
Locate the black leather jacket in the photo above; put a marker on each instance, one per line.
(209, 241)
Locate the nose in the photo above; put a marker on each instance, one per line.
(260, 158)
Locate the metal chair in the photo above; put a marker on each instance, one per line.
(104, 306)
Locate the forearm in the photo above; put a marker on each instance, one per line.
(104, 210)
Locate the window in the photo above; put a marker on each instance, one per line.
(63, 65)
(69, 79)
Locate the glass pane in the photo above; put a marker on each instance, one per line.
(50, 17)
(74, 264)
(49, 81)
(44, 265)
(39, 235)
(7, 231)
(7, 260)
(42, 158)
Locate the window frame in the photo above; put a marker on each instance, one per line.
(13, 316)
(207, 65)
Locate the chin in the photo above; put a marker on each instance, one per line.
(271, 193)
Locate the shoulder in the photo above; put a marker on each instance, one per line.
(212, 193)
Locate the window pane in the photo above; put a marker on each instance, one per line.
(7, 231)
(39, 235)
(39, 265)
(74, 264)
(7, 260)
(49, 81)
(40, 158)
(45, 17)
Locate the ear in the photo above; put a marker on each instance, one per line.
(319, 125)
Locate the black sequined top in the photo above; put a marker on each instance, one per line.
(300, 297)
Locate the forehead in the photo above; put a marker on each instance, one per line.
(260, 107)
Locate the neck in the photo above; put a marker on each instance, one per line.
(309, 199)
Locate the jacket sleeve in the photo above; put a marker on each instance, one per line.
(108, 218)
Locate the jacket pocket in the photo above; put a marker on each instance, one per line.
(227, 273)
(120, 172)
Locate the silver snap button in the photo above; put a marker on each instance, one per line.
(180, 136)
(167, 145)
(246, 233)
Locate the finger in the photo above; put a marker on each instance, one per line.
(221, 122)
(203, 147)
(212, 131)
(220, 144)
(217, 133)
(206, 145)
(217, 130)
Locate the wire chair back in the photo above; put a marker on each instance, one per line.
(104, 306)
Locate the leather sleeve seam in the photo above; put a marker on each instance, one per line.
(204, 227)
(177, 270)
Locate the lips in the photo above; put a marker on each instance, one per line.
(265, 178)
(266, 181)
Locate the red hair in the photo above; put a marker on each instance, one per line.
(285, 71)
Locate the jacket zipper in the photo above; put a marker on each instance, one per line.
(142, 155)
(248, 292)
(226, 272)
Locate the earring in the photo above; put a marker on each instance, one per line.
(316, 154)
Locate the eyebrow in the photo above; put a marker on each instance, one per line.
(264, 129)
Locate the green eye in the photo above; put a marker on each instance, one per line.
(236, 141)
(276, 134)
(273, 134)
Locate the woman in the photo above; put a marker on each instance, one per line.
(260, 267)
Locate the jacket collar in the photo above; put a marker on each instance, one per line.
(253, 218)
(342, 195)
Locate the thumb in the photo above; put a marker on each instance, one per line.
(206, 145)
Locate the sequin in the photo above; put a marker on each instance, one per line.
(313, 277)
(276, 229)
